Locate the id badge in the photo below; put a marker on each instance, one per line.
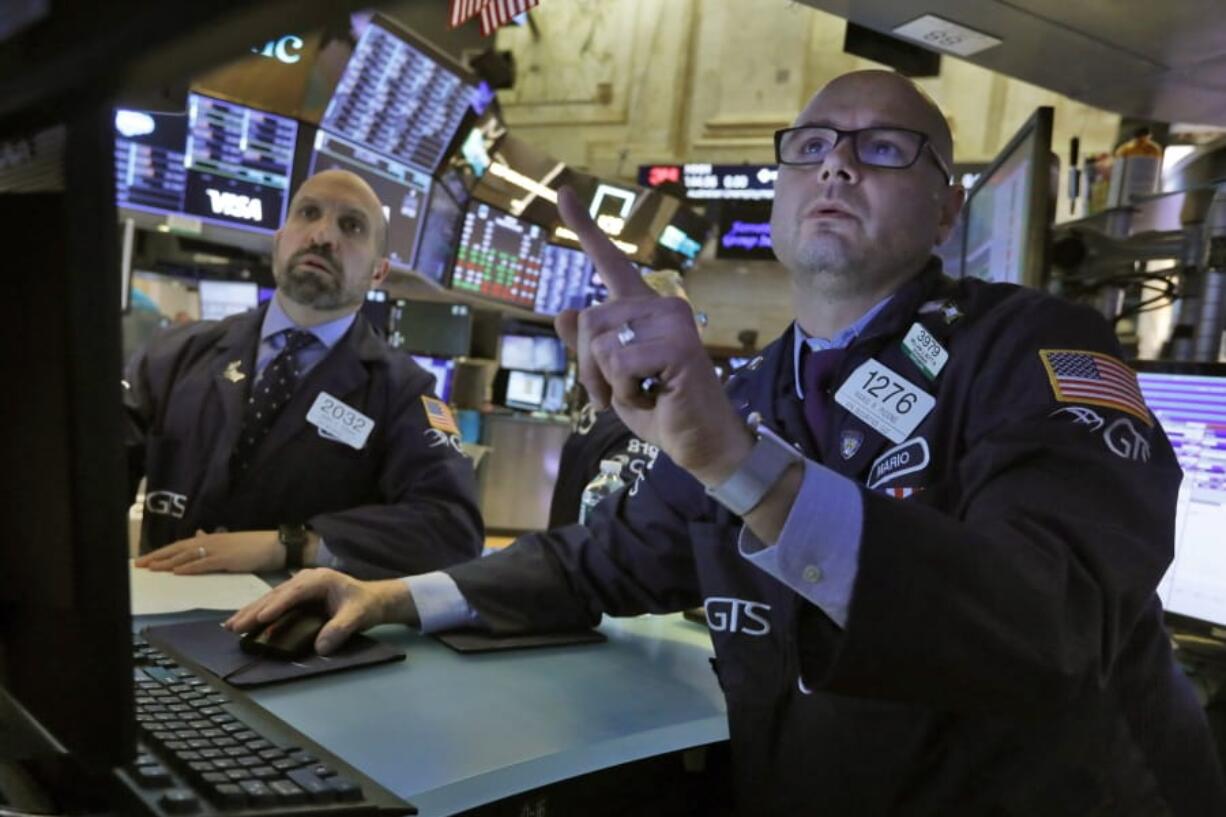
(339, 421)
(884, 400)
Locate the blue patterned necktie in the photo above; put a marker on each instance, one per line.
(817, 376)
(268, 397)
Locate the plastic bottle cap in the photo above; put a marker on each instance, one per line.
(610, 467)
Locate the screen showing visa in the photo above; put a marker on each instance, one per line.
(238, 163)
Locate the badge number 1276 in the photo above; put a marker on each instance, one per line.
(885, 400)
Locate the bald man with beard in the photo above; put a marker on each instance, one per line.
(928, 565)
(292, 435)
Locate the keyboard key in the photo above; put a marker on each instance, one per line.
(215, 778)
(345, 789)
(225, 763)
(271, 754)
(249, 761)
(265, 773)
(287, 792)
(323, 771)
(259, 745)
(229, 795)
(235, 751)
(188, 755)
(243, 734)
(302, 758)
(318, 791)
(201, 766)
(211, 754)
(284, 764)
(179, 801)
(238, 775)
(258, 792)
(152, 776)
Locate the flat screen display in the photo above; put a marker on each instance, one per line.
(1192, 410)
(744, 232)
(443, 369)
(150, 163)
(431, 327)
(396, 98)
(499, 256)
(221, 299)
(525, 390)
(535, 353)
(402, 189)
(998, 221)
(238, 164)
(444, 219)
(555, 394)
(566, 275)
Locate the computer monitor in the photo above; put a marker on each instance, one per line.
(402, 189)
(443, 369)
(150, 166)
(444, 219)
(239, 162)
(400, 96)
(1189, 401)
(221, 299)
(65, 627)
(555, 394)
(534, 353)
(744, 231)
(1008, 212)
(499, 256)
(274, 75)
(431, 328)
(524, 390)
(566, 275)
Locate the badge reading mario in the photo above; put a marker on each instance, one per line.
(1082, 376)
(438, 415)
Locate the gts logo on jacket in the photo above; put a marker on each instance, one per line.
(729, 615)
(166, 503)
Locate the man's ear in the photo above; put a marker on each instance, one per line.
(951, 200)
(381, 270)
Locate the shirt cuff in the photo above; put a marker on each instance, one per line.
(818, 552)
(440, 604)
(325, 557)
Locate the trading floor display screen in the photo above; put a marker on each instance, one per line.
(499, 256)
(402, 190)
(395, 98)
(150, 171)
(566, 276)
(238, 163)
(1192, 411)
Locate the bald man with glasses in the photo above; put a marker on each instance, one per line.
(927, 556)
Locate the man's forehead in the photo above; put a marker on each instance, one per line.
(862, 101)
(340, 195)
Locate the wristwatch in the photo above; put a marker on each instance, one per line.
(293, 538)
(766, 464)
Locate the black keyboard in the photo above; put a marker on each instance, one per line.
(204, 748)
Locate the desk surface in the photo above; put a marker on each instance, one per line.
(451, 732)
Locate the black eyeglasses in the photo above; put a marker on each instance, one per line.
(893, 148)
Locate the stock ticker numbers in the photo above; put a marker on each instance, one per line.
(396, 100)
(499, 256)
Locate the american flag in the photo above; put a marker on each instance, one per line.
(464, 10)
(1079, 376)
(438, 415)
(497, 13)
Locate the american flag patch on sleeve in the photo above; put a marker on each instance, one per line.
(438, 415)
(1082, 376)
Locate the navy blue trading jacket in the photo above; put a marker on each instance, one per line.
(405, 503)
(1004, 652)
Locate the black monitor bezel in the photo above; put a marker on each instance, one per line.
(1039, 209)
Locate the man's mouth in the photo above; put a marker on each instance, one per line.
(316, 263)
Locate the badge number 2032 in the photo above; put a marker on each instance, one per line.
(342, 421)
(885, 400)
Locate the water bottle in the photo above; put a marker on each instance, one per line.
(608, 481)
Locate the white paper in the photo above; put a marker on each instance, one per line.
(161, 592)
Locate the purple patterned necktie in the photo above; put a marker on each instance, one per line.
(817, 377)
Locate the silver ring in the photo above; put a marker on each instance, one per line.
(625, 334)
(201, 552)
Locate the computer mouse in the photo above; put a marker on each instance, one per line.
(289, 637)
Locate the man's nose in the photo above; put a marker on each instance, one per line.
(841, 163)
(324, 233)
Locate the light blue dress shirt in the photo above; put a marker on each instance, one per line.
(818, 551)
(272, 342)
